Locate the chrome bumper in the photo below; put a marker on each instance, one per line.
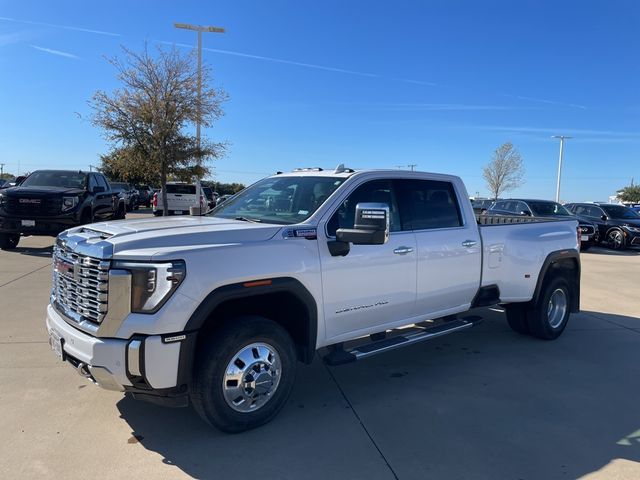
(100, 360)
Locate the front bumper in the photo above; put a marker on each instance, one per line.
(150, 367)
(43, 225)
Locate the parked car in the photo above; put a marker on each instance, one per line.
(546, 208)
(128, 193)
(180, 198)
(211, 198)
(145, 195)
(618, 226)
(49, 201)
(224, 198)
(481, 206)
(217, 310)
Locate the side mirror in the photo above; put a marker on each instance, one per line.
(371, 226)
(604, 217)
(99, 189)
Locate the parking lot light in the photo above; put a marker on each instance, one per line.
(562, 139)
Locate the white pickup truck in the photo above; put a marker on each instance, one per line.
(216, 310)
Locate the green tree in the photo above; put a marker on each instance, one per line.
(505, 171)
(630, 193)
(145, 120)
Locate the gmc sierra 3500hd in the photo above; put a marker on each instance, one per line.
(216, 310)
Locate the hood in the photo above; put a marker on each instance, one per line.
(39, 192)
(163, 236)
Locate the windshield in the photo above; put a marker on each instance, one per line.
(548, 209)
(50, 178)
(620, 212)
(280, 200)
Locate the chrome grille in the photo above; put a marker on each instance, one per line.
(80, 285)
(587, 230)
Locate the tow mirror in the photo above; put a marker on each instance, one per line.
(371, 225)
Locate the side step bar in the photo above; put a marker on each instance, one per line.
(340, 356)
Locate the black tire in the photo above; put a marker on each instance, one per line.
(9, 241)
(541, 324)
(615, 239)
(86, 217)
(517, 317)
(584, 246)
(157, 213)
(216, 355)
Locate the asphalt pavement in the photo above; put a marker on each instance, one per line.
(481, 404)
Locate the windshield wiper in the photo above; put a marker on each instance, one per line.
(246, 219)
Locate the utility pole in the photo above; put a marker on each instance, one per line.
(562, 139)
(199, 29)
(2, 171)
(412, 166)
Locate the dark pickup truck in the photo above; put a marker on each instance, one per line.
(50, 201)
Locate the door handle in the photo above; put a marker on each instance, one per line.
(403, 250)
(469, 243)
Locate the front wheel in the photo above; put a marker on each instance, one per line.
(245, 374)
(615, 239)
(9, 241)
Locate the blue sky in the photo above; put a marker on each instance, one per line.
(370, 84)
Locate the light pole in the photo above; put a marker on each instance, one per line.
(199, 29)
(562, 139)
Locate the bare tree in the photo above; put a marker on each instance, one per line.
(145, 119)
(505, 171)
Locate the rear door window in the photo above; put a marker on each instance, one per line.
(428, 204)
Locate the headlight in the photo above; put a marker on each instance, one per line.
(152, 283)
(632, 229)
(69, 202)
(3, 200)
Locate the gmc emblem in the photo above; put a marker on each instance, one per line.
(33, 201)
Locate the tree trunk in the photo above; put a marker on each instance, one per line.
(163, 186)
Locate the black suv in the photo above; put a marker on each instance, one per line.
(49, 201)
(618, 226)
(546, 208)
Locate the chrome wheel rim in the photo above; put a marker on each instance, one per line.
(251, 377)
(615, 238)
(557, 308)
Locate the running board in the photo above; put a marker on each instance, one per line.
(340, 356)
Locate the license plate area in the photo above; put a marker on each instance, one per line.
(56, 342)
(28, 223)
(584, 238)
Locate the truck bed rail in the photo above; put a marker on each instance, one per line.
(489, 220)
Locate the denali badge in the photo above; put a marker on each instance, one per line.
(33, 201)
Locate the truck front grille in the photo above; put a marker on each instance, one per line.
(17, 205)
(80, 285)
(587, 229)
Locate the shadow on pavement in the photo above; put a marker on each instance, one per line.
(44, 252)
(315, 436)
(601, 250)
(485, 404)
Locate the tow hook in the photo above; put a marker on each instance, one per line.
(83, 370)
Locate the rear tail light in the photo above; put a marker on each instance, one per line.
(202, 202)
(155, 199)
(579, 232)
